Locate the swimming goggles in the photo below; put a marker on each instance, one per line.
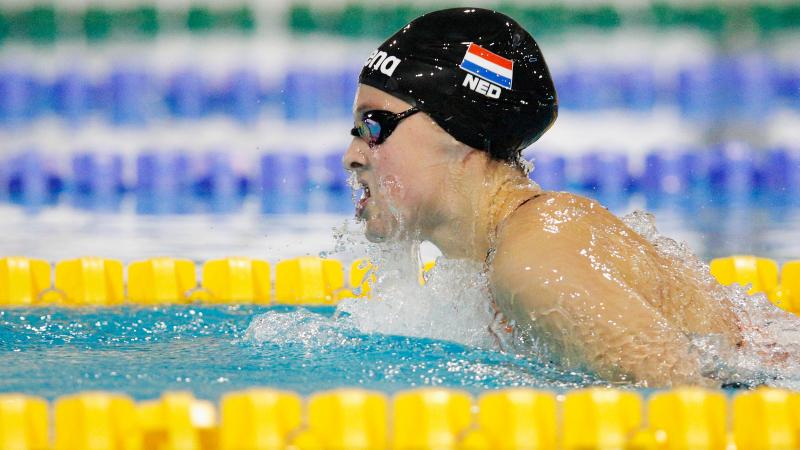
(377, 125)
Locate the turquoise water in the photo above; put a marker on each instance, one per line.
(207, 349)
(204, 349)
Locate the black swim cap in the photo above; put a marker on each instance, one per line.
(476, 72)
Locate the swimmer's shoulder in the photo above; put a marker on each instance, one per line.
(545, 226)
(550, 212)
(551, 228)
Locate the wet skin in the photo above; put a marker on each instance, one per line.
(563, 269)
(598, 294)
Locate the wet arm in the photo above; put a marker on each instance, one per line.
(588, 317)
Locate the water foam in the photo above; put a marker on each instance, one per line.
(770, 353)
(300, 327)
(454, 305)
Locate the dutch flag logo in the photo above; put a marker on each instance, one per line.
(487, 65)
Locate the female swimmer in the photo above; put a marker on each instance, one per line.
(443, 110)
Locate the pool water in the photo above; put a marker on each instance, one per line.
(429, 338)
(207, 350)
(210, 350)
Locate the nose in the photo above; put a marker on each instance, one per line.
(354, 157)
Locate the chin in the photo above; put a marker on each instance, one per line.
(375, 239)
(377, 230)
(375, 236)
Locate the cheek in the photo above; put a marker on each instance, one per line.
(406, 178)
(401, 187)
(406, 198)
(392, 175)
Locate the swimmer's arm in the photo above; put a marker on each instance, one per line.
(584, 316)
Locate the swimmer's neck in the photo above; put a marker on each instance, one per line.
(477, 202)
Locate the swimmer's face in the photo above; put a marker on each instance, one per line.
(403, 176)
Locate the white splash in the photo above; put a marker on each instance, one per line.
(771, 350)
(299, 327)
(452, 305)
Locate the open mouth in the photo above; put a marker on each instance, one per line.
(362, 201)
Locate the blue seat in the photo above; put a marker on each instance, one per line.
(734, 168)
(130, 97)
(638, 88)
(335, 176)
(214, 175)
(71, 96)
(787, 85)
(549, 171)
(188, 95)
(747, 86)
(30, 177)
(347, 89)
(97, 172)
(334, 92)
(665, 171)
(20, 97)
(605, 172)
(242, 96)
(697, 92)
(162, 172)
(698, 164)
(587, 88)
(284, 172)
(301, 92)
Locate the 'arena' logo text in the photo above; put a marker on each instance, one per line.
(380, 60)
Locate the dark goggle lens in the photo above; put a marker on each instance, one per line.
(369, 130)
(376, 126)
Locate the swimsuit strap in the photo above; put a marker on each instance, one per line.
(499, 319)
(487, 259)
(526, 201)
